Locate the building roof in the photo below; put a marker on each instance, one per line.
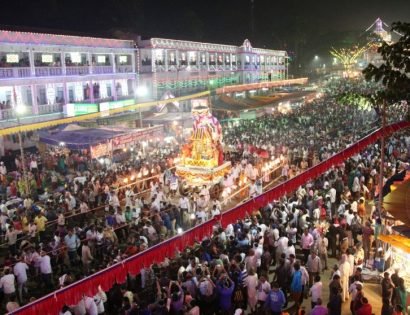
(15, 37)
(198, 46)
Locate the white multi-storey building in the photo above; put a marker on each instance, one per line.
(54, 75)
(167, 65)
(44, 72)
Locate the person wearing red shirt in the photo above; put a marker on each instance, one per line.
(365, 309)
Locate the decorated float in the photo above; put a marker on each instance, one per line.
(202, 159)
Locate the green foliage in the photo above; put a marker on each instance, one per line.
(394, 73)
(363, 102)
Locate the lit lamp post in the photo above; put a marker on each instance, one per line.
(316, 62)
(20, 110)
(142, 91)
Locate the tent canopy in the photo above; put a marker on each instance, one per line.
(76, 137)
(397, 203)
(397, 241)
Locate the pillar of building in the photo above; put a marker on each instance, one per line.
(34, 99)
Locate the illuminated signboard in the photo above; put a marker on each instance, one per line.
(12, 58)
(75, 57)
(78, 109)
(46, 58)
(123, 59)
(101, 59)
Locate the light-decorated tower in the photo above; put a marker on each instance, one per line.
(202, 159)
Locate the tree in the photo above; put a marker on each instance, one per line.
(348, 57)
(394, 73)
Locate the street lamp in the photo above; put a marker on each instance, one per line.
(142, 91)
(316, 57)
(20, 110)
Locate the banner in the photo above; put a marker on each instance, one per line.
(100, 150)
(143, 134)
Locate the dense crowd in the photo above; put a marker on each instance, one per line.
(275, 258)
(233, 266)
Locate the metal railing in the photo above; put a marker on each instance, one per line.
(50, 108)
(6, 114)
(77, 70)
(124, 69)
(16, 72)
(102, 69)
(48, 71)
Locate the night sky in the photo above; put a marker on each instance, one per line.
(304, 26)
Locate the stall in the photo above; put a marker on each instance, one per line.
(99, 142)
(397, 244)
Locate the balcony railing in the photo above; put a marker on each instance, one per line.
(124, 69)
(50, 108)
(15, 72)
(48, 71)
(78, 70)
(10, 113)
(102, 69)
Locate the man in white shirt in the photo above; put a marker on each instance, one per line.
(90, 306)
(33, 165)
(263, 290)
(128, 197)
(205, 192)
(3, 168)
(46, 271)
(253, 190)
(70, 201)
(201, 216)
(113, 200)
(185, 207)
(202, 203)
(316, 291)
(353, 288)
(83, 207)
(282, 246)
(215, 211)
(7, 284)
(100, 298)
(20, 271)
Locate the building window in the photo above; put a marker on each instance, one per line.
(203, 59)
(47, 59)
(159, 57)
(101, 60)
(192, 58)
(14, 59)
(220, 60)
(247, 60)
(172, 60)
(146, 57)
(123, 60)
(212, 61)
(76, 59)
(182, 59)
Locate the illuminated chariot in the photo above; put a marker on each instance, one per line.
(202, 160)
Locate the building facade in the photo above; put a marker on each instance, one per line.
(54, 75)
(181, 67)
(44, 72)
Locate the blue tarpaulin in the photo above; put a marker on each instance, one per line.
(75, 137)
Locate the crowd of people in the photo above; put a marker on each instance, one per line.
(229, 272)
(277, 257)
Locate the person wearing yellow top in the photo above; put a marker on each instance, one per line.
(24, 223)
(40, 221)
